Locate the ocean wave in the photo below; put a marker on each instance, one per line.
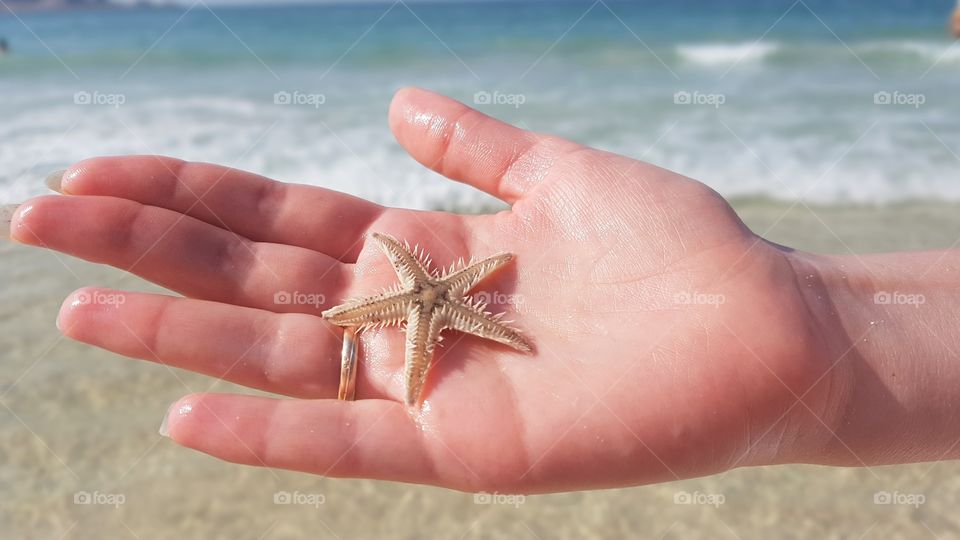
(357, 154)
(229, 116)
(723, 54)
(892, 52)
(932, 51)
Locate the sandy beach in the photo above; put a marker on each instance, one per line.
(79, 422)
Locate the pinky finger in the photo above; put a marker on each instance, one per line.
(368, 439)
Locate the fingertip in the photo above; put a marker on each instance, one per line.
(469, 146)
(28, 219)
(406, 97)
(400, 100)
(176, 420)
(425, 124)
(67, 316)
(407, 105)
(73, 179)
(220, 425)
(74, 308)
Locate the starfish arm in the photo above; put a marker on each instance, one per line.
(387, 308)
(423, 333)
(410, 269)
(471, 319)
(459, 282)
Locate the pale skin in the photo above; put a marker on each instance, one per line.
(669, 340)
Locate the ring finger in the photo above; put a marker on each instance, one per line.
(292, 354)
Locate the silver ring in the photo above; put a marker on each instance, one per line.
(348, 365)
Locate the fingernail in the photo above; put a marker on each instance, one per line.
(175, 408)
(6, 216)
(54, 180)
(164, 429)
(164, 426)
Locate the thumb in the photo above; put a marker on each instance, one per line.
(470, 147)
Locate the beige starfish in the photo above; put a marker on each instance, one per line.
(429, 302)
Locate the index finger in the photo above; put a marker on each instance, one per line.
(248, 204)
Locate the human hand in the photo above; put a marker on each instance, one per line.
(670, 341)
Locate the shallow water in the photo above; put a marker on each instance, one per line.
(74, 419)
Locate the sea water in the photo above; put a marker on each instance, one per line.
(824, 101)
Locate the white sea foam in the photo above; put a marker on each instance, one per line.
(291, 144)
(931, 51)
(725, 54)
(798, 130)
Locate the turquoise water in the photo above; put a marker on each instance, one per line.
(770, 98)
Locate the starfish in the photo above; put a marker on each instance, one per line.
(428, 302)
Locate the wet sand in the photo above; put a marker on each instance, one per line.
(75, 419)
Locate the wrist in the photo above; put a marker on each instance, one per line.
(892, 382)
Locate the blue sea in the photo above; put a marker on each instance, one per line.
(823, 101)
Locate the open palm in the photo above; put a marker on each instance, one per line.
(669, 341)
